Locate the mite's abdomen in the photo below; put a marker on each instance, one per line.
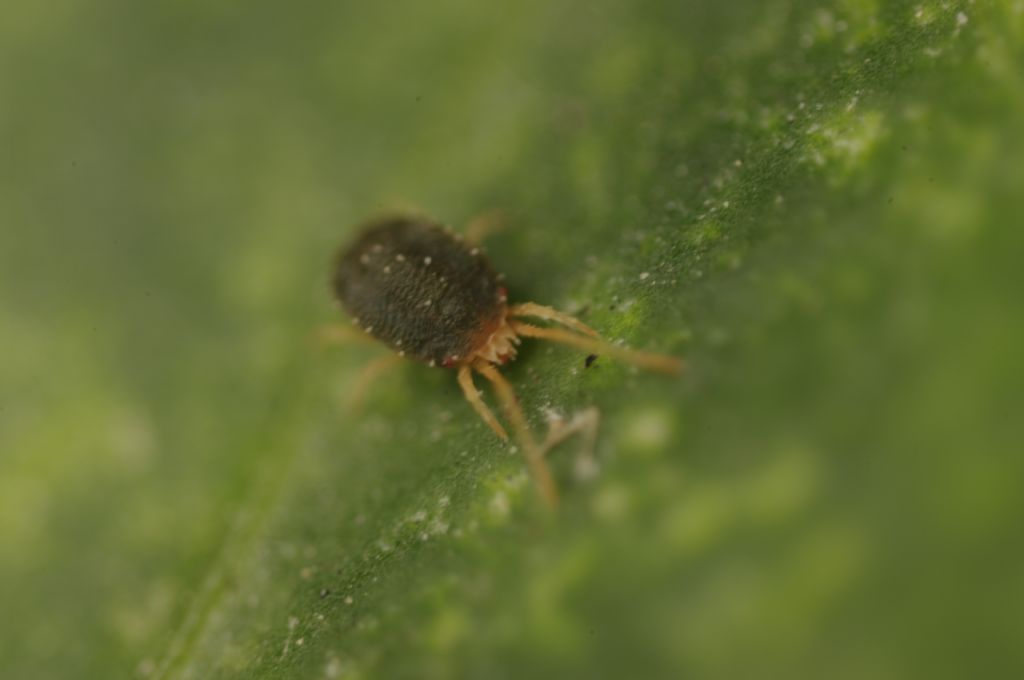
(409, 283)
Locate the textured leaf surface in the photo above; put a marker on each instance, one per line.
(815, 203)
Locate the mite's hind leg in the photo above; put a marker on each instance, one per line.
(370, 373)
(536, 311)
(583, 423)
(473, 397)
(654, 362)
(482, 226)
(534, 458)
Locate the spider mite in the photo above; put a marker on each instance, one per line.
(431, 296)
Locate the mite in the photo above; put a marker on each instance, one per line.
(432, 296)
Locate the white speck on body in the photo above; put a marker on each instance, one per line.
(348, 599)
(427, 260)
(369, 329)
(418, 516)
(377, 247)
(961, 19)
(474, 251)
(426, 303)
(398, 343)
(644, 275)
(364, 258)
(387, 269)
(400, 257)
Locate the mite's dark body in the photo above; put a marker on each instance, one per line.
(411, 284)
(418, 288)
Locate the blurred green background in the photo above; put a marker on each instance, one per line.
(813, 202)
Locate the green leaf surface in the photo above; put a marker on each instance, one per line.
(812, 202)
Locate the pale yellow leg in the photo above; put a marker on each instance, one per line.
(534, 458)
(551, 314)
(473, 396)
(370, 372)
(654, 362)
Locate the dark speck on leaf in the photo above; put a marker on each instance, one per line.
(589, 361)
